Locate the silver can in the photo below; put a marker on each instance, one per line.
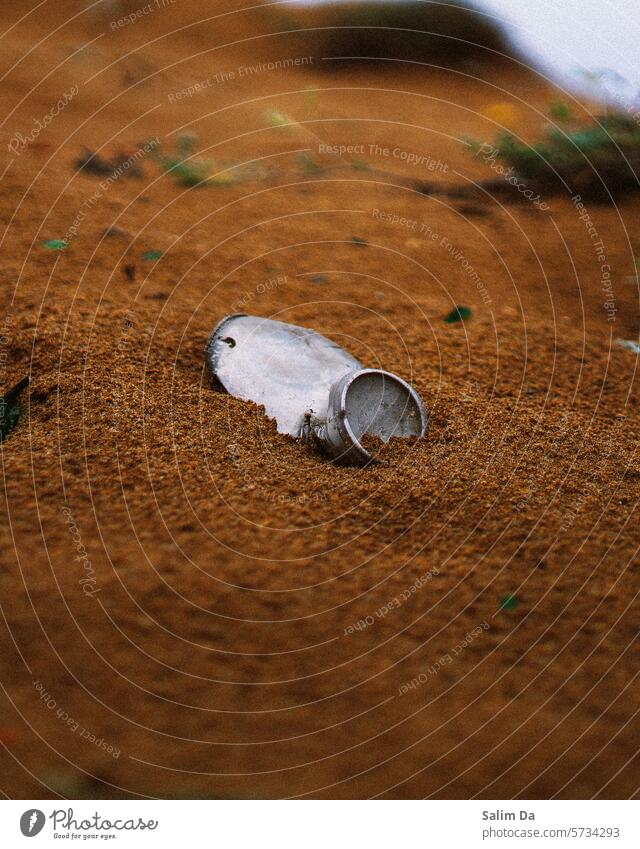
(314, 389)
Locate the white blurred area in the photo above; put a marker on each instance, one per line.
(590, 44)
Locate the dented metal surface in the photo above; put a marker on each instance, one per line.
(312, 387)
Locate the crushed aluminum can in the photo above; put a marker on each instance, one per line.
(314, 389)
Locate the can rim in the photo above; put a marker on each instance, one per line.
(351, 447)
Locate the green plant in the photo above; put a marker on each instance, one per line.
(561, 111)
(10, 408)
(275, 118)
(183, 165)
(307, 164)
(601, 156)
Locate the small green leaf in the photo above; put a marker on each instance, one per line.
(55, 244)
(10, 408)
(318, 278)
(361, 243)
(152, 256)
(9, 417)
(194, 172)
(509, 602)
(458, 314)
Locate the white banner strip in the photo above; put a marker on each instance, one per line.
(322, 824)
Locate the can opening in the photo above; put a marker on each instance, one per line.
(378, 404)
(372, 403)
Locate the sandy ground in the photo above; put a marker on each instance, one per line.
(196, 606)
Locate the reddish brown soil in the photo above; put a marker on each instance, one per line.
(258, 622)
